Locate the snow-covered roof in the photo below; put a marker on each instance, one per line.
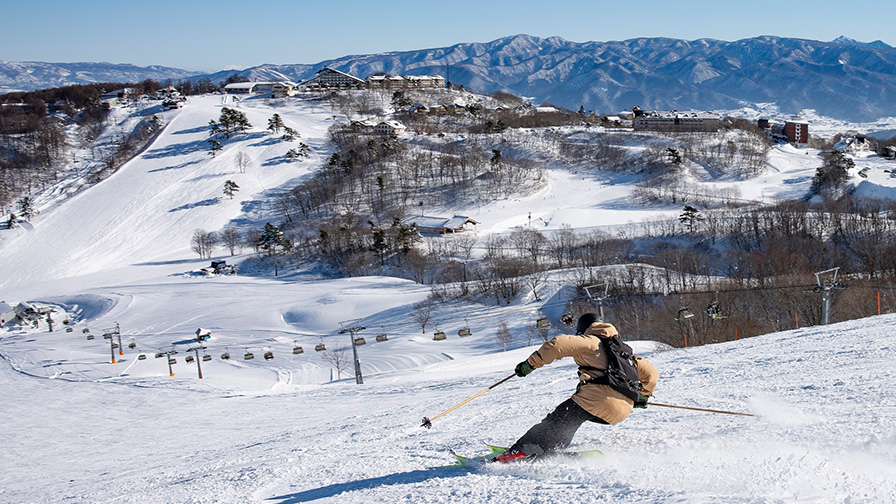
(241, 85)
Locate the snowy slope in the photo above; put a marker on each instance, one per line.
(77, 427)
(825, 433)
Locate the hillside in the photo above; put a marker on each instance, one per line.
(823, 434)
(296, 428)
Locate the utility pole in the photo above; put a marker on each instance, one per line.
(352, 330)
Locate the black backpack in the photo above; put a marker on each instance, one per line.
(621, 374)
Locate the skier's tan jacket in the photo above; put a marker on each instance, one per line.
(599, 400)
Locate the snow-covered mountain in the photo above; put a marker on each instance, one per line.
(842, 78)
(31, 75)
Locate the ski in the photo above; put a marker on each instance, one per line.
(494, 451)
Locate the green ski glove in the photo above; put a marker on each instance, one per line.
(642, 401)
(523, 368)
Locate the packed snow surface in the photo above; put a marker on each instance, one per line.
(294, 428)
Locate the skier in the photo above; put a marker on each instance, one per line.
(592, 402)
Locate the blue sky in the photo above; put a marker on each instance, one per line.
(214, 35)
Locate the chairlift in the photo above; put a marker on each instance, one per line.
(683, 314)
(159, 355)
(298, 350)
(714, 310)
(90, 336)
(360, 341)
(567, 319)
(172, 360)
(85, 330)
(132, 345)
(439, 336)
(268, 355)
(69, 329)
(107, 336)
(320, 347)
(189, 359)
(141, 357)
(542, 322)
(464, 332)
(248, 356)
(225, 356)
(382, 337)
(206, 358)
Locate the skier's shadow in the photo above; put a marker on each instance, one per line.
(404, 478)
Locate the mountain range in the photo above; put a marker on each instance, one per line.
(842, 78)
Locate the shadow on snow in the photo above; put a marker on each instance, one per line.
(404, 478)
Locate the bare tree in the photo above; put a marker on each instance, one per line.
(503, 334)
(203, 243)
(423, 312)
(232, 239)
(242, 161)
(338, 357)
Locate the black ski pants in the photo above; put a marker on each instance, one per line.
(555, 432)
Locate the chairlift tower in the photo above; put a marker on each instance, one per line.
(196, 349)
(826, 289)
(352, 330)
(598, 297)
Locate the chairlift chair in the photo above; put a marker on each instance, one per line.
(297, 350)
(714, 310)
(225, 356)
(189, 359)
(320, 347)
(69, 329)
(542, 323)
(382, 337)
(89, 336)
(268, 355)
(248, 356)
(360, 341)
(464, 332)
(132, 345)
(206, 358)
(141, 357)
(439, 336)
(683, 314)
(172, 360)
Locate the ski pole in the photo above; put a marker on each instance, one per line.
(427, 422)
(700, 409)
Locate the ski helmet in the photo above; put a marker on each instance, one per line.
(585, 322)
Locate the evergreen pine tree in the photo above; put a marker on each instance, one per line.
(230, 187)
